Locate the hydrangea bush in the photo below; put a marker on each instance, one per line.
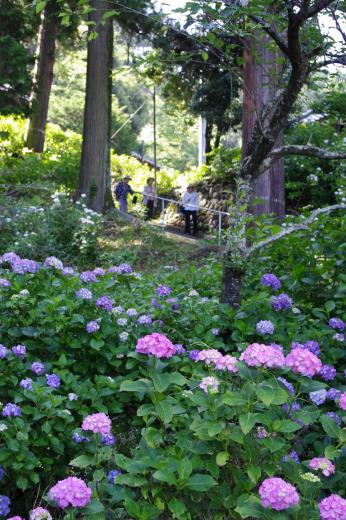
(153, 414)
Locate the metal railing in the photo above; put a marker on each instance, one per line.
(179, 203)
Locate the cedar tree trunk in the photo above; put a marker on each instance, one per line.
(43, 79)
(96, 145)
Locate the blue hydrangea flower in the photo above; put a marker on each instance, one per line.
(125, 269)
(313, 346)
(336, 323)
(53, 380)
(179, 349)
(88, 276)
(19, 350)
(318, 397)
(108, 439)
(288, 385)
(328, 372)
(333, 394)
(112, 475)
(104, 302)
(163, 290)
(4, 282)
(144, 320)
(4, 505)
(1, 472)
(78, 438)
(292, 456)
(92, 326)
(84, 294)
(215, 331)
(193, 354)
(336, 418)
(282, 302)
(270, 280)
(294, 407)
(265, 327)
(131, 312)
(11, 410)
(26, 383)
(38, 368)
(3, 351)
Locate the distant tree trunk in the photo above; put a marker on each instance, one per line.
(208, 138)
(96, 145)
(43, 79)
(261, 71)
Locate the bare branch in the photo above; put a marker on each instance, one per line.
(310, 151)
(318, 7)
(270, 30)
(295, 227)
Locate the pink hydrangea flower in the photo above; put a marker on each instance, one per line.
(15, 518)
(209, 356)
(40, 513)
(303, 362)
(323, 464)
(97, 423)
(156, 345)
(209, 384)
(277, 494)
(259, 355)
(342, 401)
(333, 508)
(71, 491)
(227, 363)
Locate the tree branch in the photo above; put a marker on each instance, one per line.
(318, 7)
(292, 229)
(310, 151)
(269, 29)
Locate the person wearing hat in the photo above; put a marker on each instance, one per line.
(121, 191)
(149, 197)
(190, 203)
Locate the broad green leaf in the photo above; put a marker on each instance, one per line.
(330, 427)
(132, 508)
(266, 395)
(165, 411)
(131, 480)
(249, 506)
(222, 458)
(184, 468)
(83, 461)
(247, 422)
(176, 507)
(254, 473)
(161, 380)
(331, 452)
(40, 6)
(134, 386)
(200, 482)
(152, 436)
(165, 476)
(287, 426)
(233, 399)
(109, 14)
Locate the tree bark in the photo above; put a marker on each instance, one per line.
(232, 282)
(261, 72)
(95, 147)
(43, 79)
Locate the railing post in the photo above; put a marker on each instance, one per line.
(163, 212)
(220, 228)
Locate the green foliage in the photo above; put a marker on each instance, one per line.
(224, 163)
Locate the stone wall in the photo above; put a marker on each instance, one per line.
(213, 195)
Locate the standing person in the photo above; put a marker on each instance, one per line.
(121, 191)
(190, 203)
(149, 194)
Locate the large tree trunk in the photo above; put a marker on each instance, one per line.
(96, 143)
(43, 79)
(261, 72)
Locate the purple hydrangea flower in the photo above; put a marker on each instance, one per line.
(131, 312)
(125, 269)
(339, 337)
(1, 472)
(333, 394)
(333, 507)
(179, 349)
(38, 368)
(84, 294)
(4, 282)
(26, 383)
(88, 276)
(104, 302)
(112, 475)
(9, 257)
(154, 303)
(92, 326)
(336, 418)
(261, 432)
(277, 494)
(282, 302)
(108, 439)
(99, 271)
(19, 350)
(118, 310)
(318, 397)
(292, 456)
(328, 372)
(215, 331)
(270, 280)
(11, 410)
(175, 306)
(114, 270)
(163, 290)
(294, 407)
(122, 322)
(5, 504)
(78, 438)
(312, 346)
(193, 355)
(68, 271)
(265, 327)
(53, 261)
(288, 385)
(336, 323)
(53, 380)
(3, 351)
(144, 320)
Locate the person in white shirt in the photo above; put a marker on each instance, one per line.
(149, 194)
(190, 203)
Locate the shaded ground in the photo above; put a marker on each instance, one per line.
(149, 247)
